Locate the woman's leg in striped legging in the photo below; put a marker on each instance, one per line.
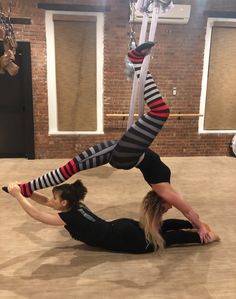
(93, 157)
(141, 134)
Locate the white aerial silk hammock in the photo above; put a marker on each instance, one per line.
(138, 84)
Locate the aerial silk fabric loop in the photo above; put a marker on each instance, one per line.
(135, 89)
(145, 65)
(138, 84)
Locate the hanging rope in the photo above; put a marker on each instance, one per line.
(9, 42)
(145, 7)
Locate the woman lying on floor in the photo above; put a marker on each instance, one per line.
(119, 235)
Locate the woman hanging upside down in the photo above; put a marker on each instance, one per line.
(132, 150)
(120, 235)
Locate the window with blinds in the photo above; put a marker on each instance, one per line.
(77, 94)
(75, 49)
(220, 102)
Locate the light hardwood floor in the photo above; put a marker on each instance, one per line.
(38, 261)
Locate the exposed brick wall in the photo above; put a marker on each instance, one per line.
(177, 62)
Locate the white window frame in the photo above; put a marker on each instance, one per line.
(51, 72)
(210, 24)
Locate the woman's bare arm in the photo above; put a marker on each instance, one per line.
(168, 194)
(41, 216)
(40, 198)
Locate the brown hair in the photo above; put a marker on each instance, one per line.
(73, 193)
(151, 218)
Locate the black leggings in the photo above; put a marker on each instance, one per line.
(126, 235)
(178, 232)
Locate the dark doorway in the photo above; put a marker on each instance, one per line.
(16, 108)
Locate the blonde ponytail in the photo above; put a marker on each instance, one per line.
(151, 218)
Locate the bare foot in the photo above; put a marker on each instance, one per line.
(213, 237)
(207, 226)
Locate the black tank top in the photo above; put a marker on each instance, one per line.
(153, 169)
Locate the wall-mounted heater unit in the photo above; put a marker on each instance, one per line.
(178, 14)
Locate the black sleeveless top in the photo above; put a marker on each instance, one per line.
(153, 169)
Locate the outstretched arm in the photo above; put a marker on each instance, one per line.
(40, 198)
(44, 217)
(168, 194)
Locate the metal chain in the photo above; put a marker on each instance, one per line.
(9, 36)
(148, 8)
(132, 40)
(9, 8)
